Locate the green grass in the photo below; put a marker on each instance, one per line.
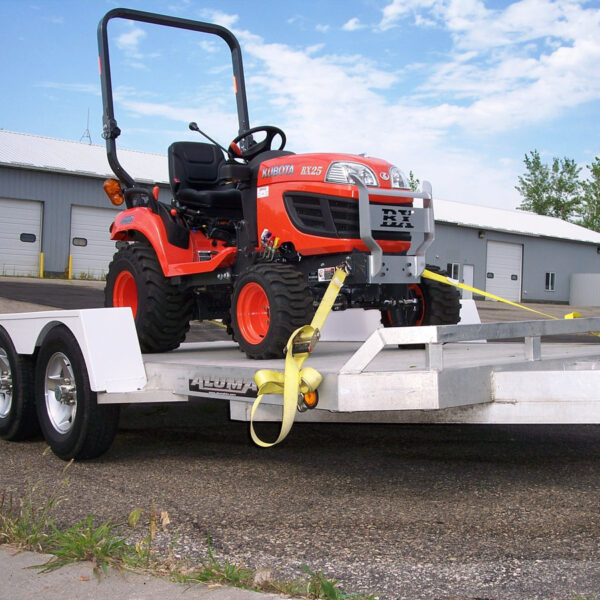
(28, 523)
(99, 545)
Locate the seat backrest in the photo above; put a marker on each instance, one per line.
(194, 165)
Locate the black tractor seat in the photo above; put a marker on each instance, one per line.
(195, 181)
(228, 198)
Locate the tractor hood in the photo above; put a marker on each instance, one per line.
(335, 169)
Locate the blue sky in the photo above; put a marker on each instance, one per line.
(455, 90)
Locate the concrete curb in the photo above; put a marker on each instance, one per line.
(22, 581)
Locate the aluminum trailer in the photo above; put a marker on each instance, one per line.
(63, 370)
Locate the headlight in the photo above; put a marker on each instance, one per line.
(398, 179)
(339, 172)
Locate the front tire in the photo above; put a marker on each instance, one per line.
(18, 419)
(437, 304)
(74, 425)
(270, 301)
(161, 312)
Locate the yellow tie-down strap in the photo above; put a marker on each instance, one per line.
(295, 380)
(447, 280)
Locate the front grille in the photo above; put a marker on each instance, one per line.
(330, 216)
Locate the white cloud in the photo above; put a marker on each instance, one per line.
(219, 17)
(322, 28)
(129, 41)
(85, 88)
(394, 12)
(521, 65)
(310, 50)
(208, 46)
(353, 24)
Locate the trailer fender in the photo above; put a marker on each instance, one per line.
(106, 336)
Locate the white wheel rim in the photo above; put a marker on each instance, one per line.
(60, 393)
(6, 387)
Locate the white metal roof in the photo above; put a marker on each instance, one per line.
(510, 221)
(32, 151)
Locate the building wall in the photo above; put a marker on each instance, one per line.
(543, 255)
(58, 192)
(454, 244)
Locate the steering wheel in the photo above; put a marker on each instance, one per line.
(258, 147)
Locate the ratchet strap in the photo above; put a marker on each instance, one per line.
(453, 282)
(296, 380)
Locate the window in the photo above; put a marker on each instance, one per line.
(27, 237)
(550, 281)
(453, 270)
(79, 241)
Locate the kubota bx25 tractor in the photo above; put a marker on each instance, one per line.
(254, 233)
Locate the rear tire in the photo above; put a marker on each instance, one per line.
(161, 312)
(439, 304)
(270, 301)
(18, 419)
(74, 425)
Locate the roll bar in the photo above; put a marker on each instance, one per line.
(110, 129)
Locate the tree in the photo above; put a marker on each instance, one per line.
(534, 185)
(555, 191)
(413, 181)
(590, 211)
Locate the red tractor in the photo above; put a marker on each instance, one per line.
(254, 232)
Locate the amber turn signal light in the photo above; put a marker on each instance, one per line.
(112, 188)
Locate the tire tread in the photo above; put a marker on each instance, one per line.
(292, 302)
(164, 320)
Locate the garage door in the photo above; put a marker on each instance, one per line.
(91, 247)
(503, 272)
(20, 237)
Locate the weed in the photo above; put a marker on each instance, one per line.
(83, 541)
(27, 522)
(89, 276)
(315, 587)
(318, 586)
(212, 571)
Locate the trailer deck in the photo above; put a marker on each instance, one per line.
(475, 373)
(457, 376)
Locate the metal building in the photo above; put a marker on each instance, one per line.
(518, 255)
(54, 215)
(54, 218)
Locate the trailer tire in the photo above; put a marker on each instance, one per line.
(74, 425)
(439, 304)
(18, 418)
(269, 302)
(161, 312)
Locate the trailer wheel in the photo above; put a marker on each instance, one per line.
(73, 423)
(437, 304)
(269, 302)
(18, 419)
(161, 312)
